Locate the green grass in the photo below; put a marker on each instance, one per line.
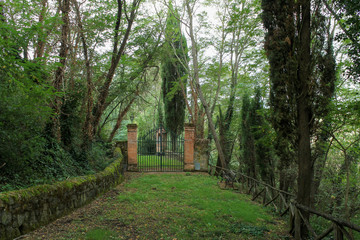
(193, 207)
(152, 161)
(173, 206)
(99, 234)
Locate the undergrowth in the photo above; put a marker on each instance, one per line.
(57, 164)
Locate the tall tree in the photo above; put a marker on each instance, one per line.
(278, 18)
(120, 39)
(174, 73)
(60, 71)
(247, 138)
(261, 132)
(298, 95)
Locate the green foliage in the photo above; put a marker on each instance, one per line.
(278, 19)
(350, 19)
(160, 114)
(247, 138)
(256, 139)
(24, 107)
(174, 73)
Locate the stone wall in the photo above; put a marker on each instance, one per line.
(25, 210)
(201, 154)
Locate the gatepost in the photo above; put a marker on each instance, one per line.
(132, 147)
(189, 141)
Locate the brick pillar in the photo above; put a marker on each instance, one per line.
(132, 147)
(189, 147)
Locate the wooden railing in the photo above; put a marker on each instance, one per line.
(285, 202)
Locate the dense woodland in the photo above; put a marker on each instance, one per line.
(274, 85)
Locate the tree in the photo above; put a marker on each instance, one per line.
(255, 139)
(118, 52)
(278, 19)
(174, 73)
(262, 134)
(247, 138)
(299, 96)
(60, 71)
(196, 77)
(239, 33)
(25, 96)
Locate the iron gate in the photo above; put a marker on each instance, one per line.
(160, 150)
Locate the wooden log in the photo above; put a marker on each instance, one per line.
(346, 233)
(297, 225)
(272, 200)
(291, 220)
(329, 217)
(257, 194)
(264, 196)
(324, 234)
(338, 234)
(311, 230)
(286, 210)
(250, 189)
(284, 200)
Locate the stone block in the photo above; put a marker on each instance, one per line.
(6, 218)
(20, 219)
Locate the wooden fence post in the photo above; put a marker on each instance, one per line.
(338, 234)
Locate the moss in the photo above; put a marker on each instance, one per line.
(26, 194)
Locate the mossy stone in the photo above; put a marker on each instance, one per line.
(20, 219)
(6, 218)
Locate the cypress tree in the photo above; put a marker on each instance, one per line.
(299, 94)
(247, 138)
(174, 73)
(278, 19)
(261, 134)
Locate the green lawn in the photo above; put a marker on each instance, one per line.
(170, 206)
(155, 162)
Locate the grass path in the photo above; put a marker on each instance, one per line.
(167, 206)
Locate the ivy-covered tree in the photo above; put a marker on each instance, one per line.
(261, 131)
(299, 92)
(255, 139)
(247, 139)
(174, 73)
(279, 20)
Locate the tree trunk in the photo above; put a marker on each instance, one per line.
(120, 118)
(60, 71)
(198, 88)
(115, 59)
(305, 166)
(40, 48)
(87, 128)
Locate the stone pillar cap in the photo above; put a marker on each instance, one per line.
(132, 125)
(189, 125)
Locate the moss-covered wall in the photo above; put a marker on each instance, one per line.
(25, 210)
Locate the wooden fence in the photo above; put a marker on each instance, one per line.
(285, 202)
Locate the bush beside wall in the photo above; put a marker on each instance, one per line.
(25, 210)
